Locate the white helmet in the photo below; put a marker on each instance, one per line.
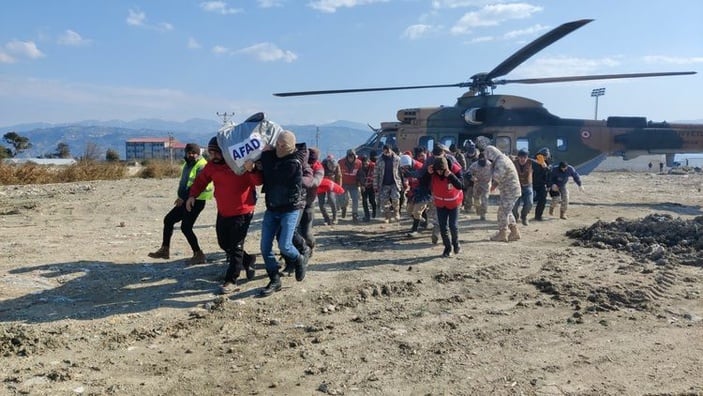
(406, 160)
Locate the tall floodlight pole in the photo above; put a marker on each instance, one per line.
(225, 116)
(596, 93)
(317, 137)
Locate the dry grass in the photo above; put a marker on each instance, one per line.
(31, 173)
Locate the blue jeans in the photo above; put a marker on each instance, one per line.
(273, 223)
(526, 201)
(448, 218)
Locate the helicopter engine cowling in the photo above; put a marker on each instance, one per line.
(474, 116)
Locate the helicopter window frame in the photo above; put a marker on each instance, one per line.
(504, 144)
(426, 141)
(448, 140)
(522, 144)
(561, 143)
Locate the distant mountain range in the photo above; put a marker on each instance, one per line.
(333, 138)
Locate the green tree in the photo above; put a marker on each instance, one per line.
(111, 155)
(19, 143)
(63, 151)
(5, 152)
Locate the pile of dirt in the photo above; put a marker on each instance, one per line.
(658, 237)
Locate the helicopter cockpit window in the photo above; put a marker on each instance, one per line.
(426, 142)
(561, 144)
(447, 140)
(522, 144)
(503, 143)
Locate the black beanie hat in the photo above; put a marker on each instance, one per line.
(192, 148)
(212, 145)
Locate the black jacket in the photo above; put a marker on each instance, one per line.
(283, 182)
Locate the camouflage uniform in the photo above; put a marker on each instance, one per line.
(505, 176)
(481, 177)
(388, 192)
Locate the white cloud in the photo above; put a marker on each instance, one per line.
(219, 50)
(482, 39)
(565, 66)
(416, 31)
(671, 60)
(136, 18)
(493, 15)
(331, 6)
(270, 3)
(62, 100)
(268, 52)
(461, 3)
(219, 7)
(22, 49)
(193, 43)
(71, 38)
(525, 32)
(6, 58)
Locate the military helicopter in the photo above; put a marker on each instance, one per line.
(512, 122)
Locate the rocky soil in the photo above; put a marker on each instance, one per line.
(607, 302)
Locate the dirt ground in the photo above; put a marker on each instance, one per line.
(83, 310)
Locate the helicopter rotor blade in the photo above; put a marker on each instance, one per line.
(589, 77)
(534, 47)
(336, 91)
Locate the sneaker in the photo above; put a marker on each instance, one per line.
(525, 222)
(447, 252)
(457, 249)
(435, 239)
(412, 234)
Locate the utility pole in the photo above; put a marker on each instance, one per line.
(225, 116)
(596, 93)
(170, 147)
(317, 137)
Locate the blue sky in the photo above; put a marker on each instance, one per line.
(72, 60)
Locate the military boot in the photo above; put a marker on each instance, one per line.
(344, 212)
(501, 236)
(551, 210)
(514, 233)
(273, 286)
(163, 253)
(562, 215)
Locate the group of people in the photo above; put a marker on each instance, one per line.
(286, 178)
(433, 186)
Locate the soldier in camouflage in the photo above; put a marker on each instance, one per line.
(506, 179)
(481, 174)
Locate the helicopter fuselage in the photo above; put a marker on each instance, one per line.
(513, 123)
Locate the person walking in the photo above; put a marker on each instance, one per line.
(190, 169)
(368, 195)
(388, 184)
(558, 178)
(523, 165)
(349, 167)
(540, 174)
(506, 180)
(332, 172)
(282, 174)
(447, 192)
(481, 174)
(236, 199)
